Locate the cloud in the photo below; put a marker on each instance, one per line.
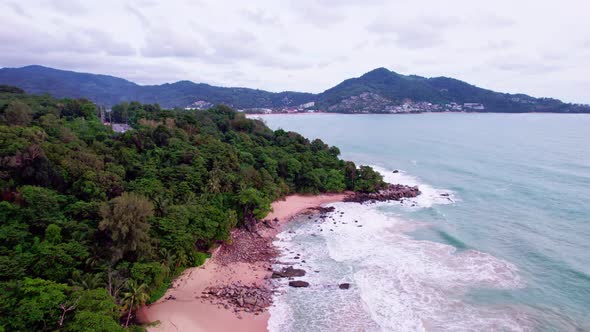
(408, 35)
(316, 14)
(502, 44)
(345, 3)
(306, 45)
(523, 66)
(288, 49)
(261, 17)
(17, 8)
(164, 42)
(68, 6)
(138, 15)
(493, 20)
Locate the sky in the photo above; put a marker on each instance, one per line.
(539, 47)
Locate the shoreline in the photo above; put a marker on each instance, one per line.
(243, 264)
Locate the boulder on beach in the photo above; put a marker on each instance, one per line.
(288, 272)
(298, 283)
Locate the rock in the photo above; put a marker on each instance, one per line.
(298, 283)
(395, 171)
(288, 272)
(250, 300)
(393, 192)
(344, 286)
(241, 301)
(327, 209)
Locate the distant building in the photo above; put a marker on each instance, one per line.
(199, 105)
(474, 106)
(120, 127)
(307, 105)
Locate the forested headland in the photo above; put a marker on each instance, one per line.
(94, 224)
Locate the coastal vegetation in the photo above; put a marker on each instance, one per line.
(94, 224)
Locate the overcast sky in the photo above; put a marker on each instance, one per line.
(539, 47)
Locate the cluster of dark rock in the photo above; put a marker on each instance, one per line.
(241, 298)
(288, 272)
(291, 273)
(246, 247)
(393, 192)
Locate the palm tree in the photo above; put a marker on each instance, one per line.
(135, 296)
(168, 260)
(87, 280)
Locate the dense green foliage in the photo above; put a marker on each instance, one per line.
(94, 223)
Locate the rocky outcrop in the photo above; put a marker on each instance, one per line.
(240, 297)
(288, 272)
(246, 247)
(393, 192)
(298, 283)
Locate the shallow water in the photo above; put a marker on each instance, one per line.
(507, 250)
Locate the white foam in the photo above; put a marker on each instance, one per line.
(322, 306)
(399, 283)
(411, 285)
(429, 195)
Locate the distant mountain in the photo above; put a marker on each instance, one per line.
(379, 90)
(109, 90)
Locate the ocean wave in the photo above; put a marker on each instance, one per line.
(412, 285)
(429, 195)
(322, 306)
(398, 283)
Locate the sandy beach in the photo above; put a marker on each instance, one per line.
(246, 262)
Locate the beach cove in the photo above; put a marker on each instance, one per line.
(184, 307)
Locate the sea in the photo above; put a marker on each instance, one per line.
(499, 239)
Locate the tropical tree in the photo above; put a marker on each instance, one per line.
(87, 281)
(125, 219)
(135, 296)
(18, 114)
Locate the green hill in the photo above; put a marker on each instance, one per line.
(377, 91)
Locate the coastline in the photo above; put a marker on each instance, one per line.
(245, 262)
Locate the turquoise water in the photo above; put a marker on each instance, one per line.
(509, 250)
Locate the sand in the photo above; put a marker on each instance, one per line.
(189, 312)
